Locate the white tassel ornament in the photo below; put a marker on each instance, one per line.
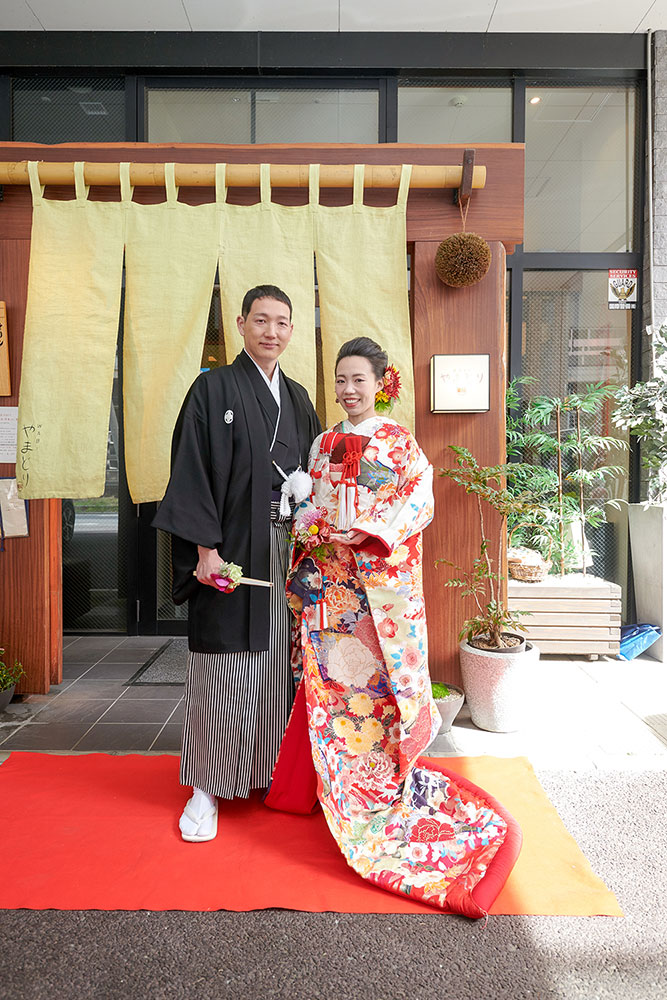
(347, 508)
(298, 485)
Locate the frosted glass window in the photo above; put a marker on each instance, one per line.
(433, 113)
(75, 109)
(262, 115)
(580, 156)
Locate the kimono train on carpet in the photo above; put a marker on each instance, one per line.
(368, 694)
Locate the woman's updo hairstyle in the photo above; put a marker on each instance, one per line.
(364, 347)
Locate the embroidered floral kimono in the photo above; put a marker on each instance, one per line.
(367, 687)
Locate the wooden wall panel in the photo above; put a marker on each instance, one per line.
(455, 321)
(30, 624)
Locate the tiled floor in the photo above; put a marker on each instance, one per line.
(94, 708)
(605, 715)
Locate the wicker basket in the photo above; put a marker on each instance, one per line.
(532, 571)
(529, 572)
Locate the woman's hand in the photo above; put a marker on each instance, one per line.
(209, 563)
(349, 537)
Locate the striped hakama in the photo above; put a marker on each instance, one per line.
(237, 704)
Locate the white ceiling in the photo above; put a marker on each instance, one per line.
(626, 16)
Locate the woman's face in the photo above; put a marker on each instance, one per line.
(356, 386)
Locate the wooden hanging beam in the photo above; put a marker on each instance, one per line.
(283, 175)
(463, 192)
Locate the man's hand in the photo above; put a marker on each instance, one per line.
(209, 563)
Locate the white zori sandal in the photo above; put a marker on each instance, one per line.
(199, 821)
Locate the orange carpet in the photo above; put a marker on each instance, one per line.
(99, 832)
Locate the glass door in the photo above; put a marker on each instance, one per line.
(97, 548)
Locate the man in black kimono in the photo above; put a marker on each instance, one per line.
(238, 426)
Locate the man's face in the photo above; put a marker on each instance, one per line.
(266, 330)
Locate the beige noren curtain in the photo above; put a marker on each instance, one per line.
(74, 285)
(270, 244)
(170, 263)
(362, 277)
(171, 252)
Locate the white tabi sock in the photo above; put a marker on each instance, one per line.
(200, 803)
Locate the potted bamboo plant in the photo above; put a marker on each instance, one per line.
(497, 665)
(568, 465)
(571, 477)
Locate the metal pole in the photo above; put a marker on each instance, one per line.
(649, 168)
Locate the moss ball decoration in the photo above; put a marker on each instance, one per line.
(462, 259)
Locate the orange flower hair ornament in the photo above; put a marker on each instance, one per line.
(389, 393)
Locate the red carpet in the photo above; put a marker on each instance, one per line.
(99, 832)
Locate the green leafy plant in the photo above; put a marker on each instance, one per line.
(642, 410)
(440, 690)
(9, 676)
(538, 501)
(483, 582)
(570, 480)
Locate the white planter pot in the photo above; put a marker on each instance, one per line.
(648, 541)
(499, 687)
(449, 707)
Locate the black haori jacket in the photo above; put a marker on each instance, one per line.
(219, 496)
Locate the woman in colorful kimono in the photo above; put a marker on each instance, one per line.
(356, 586)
